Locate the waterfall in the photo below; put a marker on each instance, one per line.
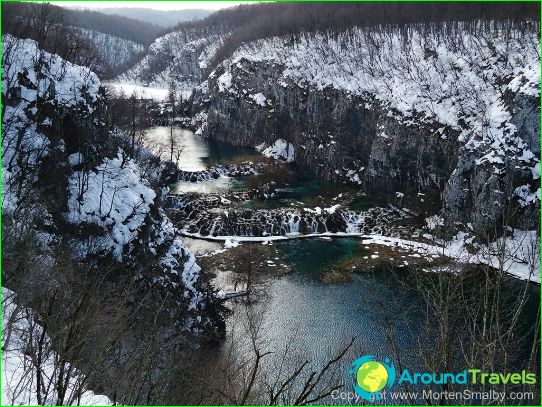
(208, 216)
(229, 170)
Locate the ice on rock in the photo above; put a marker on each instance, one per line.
(280, 150)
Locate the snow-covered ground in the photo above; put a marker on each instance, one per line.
(521, 250)
(522, 258)
(444, 78)
(58, 82)
(115, 197)
(19, 370)
(179, 56)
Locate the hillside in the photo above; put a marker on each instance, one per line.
(106, 44)
(114, 25)
(437, 124)
(236, 26)
(181, 57)
(77, 195)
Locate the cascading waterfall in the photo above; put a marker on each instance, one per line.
(229, 170)
(354, 221)
(284, 222)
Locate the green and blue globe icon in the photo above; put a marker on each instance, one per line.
(371, 377)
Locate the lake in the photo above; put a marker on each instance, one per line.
(298, 308)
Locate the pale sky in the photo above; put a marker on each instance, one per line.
(158, 5)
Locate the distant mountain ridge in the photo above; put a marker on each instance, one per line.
(108, 44)
(162, 18)
(114, 25)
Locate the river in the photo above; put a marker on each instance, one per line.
(295, 304)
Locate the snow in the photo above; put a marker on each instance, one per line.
(209, 51)
(179, 257)
(179, 56)
(526, 80)
(224, 81)
(18, 370)
(229, 243)
(114, 51)
(526, 196)
(521, 259)
(58, 84)
(318, 211)
(72, 84)
(536, 171)
(433, 221)
(280, 150)
(259, 99)
(460, 82)
(75, 159)
(332, 209)
(113, 196)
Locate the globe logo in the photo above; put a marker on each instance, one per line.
(371, 377)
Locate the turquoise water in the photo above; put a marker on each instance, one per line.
(198, 153)
(316, 319)
(330, 313)
(300, 311)
(195, 154)
(306, 190)
(220, 152)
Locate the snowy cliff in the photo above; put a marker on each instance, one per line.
(114, 51)
(66, 176)
(438, 119)
(180, 56)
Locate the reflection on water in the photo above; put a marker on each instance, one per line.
(196, 154)
(317, 319)
(325, 315)
(194, 149)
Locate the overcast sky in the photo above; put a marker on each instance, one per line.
(159, 5)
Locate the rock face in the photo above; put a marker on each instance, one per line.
(69, 183)
(181, 57)
(473, 157)
(340, 137)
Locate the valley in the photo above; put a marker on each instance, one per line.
(232, 209)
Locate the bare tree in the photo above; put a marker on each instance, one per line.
(251, 372)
